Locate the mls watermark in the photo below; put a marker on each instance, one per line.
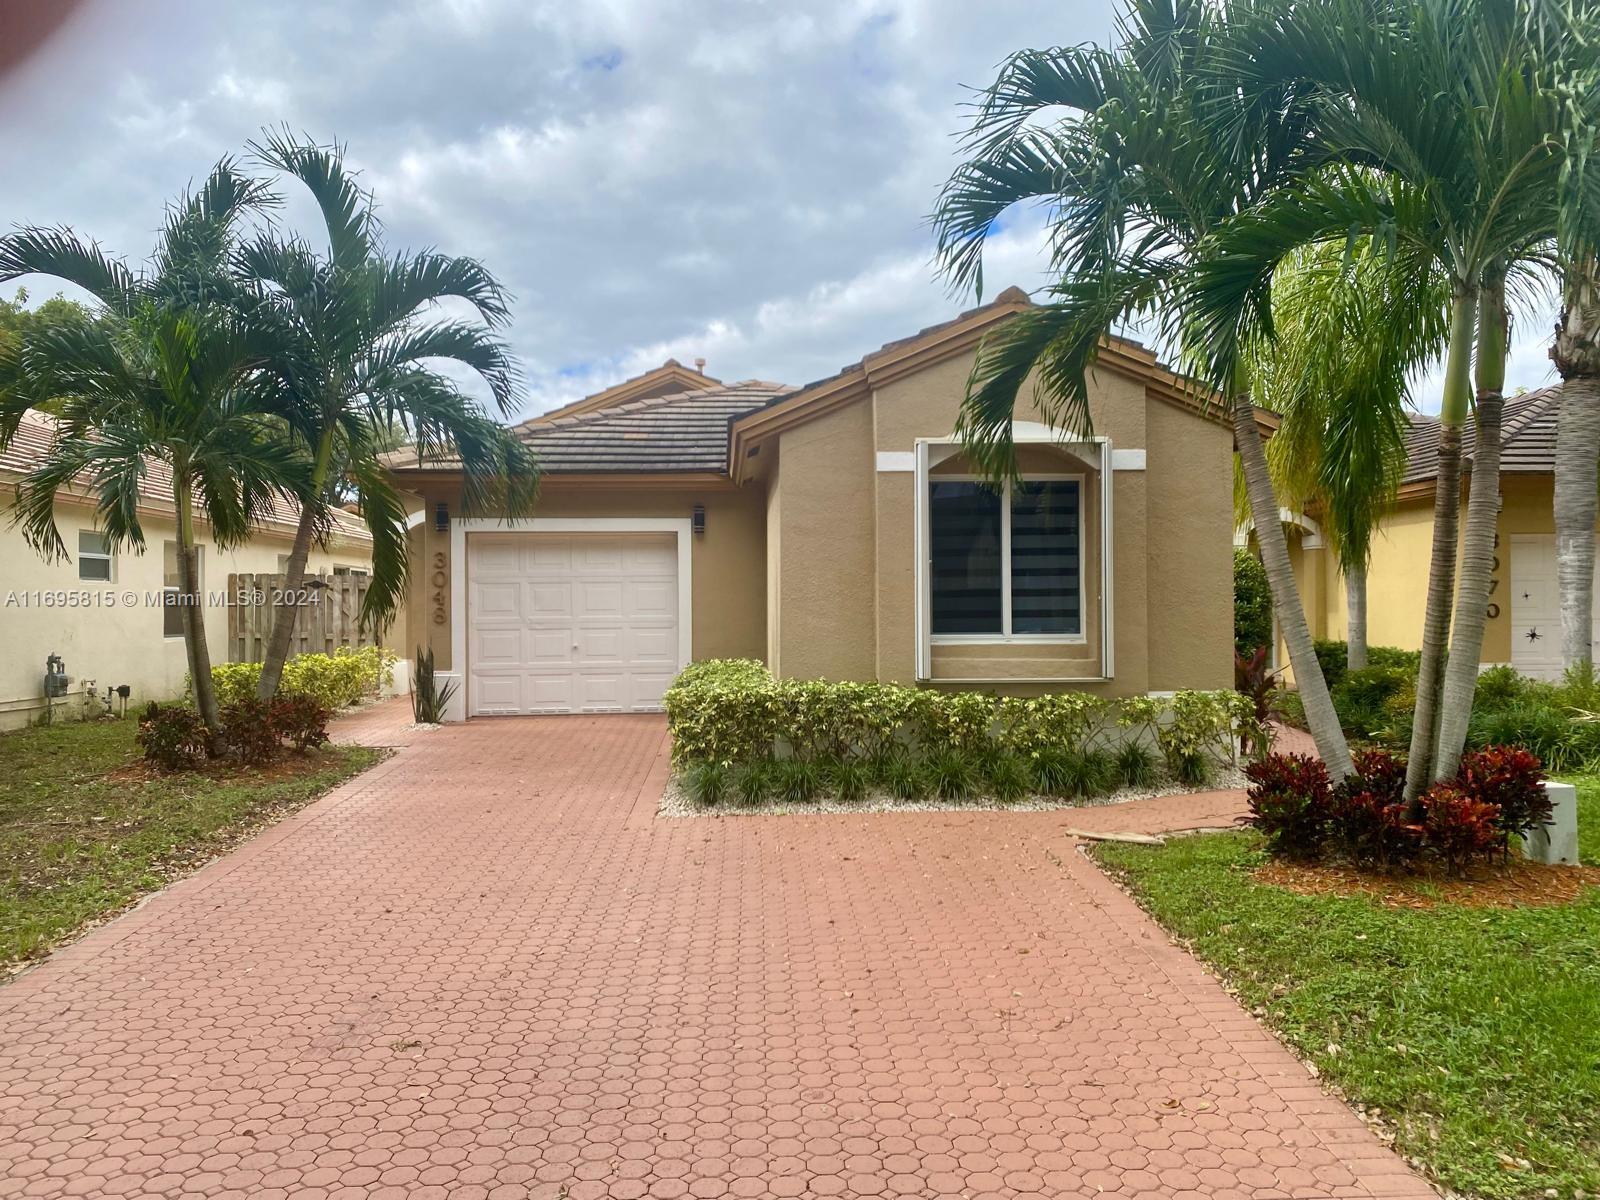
(58, 598)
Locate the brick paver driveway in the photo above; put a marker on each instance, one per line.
(484, 968)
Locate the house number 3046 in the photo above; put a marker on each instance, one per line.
(440, 581)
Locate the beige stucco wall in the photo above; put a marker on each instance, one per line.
(811, 564)
(115, 643)
(1397, 581)
(727, 561)
(1171, 528)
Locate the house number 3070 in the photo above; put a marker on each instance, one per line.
(440, 579)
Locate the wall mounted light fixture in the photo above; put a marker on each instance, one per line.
(698, 522)
(441, 516)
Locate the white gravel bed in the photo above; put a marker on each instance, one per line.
(675, 801)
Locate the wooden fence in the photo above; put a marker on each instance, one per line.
(329, 616)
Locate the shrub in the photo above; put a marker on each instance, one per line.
(957, 720)
(796, 780)
(1051, 774)
(1201, 730)
(847, 778)
(335, 680)
(1255, 680)
(1508, 778)
(1537, 726)
(1361, 695)
(1369, 827)
(248, 727)
(706, 783)
(1334, 657)
(1289, 797)
(1007, 777)
(1136, 765)
(898, 774)
(752, 782)
(172, 736)
(1382, 773)
(950, 774)
(1499, 687)
(1290, 708)
(1457, 827)
(1089, 773)
(301, 721)
(722, 711)
(1252, 603)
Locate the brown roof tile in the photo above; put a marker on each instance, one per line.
(1527, 438)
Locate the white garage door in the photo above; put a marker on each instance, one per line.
(1536, 606)
(570, 622)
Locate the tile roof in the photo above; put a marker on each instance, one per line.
(1527, 438)
(686, 431)
(37, 431)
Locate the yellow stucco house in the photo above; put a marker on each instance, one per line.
(1524, 617)
(836, 531)
(101, 612)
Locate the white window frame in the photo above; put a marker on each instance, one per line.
(108, 556)
(1006, 637)
(929, 453)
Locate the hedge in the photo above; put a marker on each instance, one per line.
(335, 680)
(732, 711)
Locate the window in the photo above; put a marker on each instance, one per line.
(349, 570)
(94, 556)
(1006, 564)
(172, 587)
(283, 563)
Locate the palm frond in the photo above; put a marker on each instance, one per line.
(347, 214)
(61, 253)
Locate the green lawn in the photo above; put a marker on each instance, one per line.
(1588, 816)
(1477, 1033)
(75, 846)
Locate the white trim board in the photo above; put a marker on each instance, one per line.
(462, 527)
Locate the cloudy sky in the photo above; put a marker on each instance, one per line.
(741, 181)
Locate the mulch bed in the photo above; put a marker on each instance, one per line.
(290, 765)
(1516, 884)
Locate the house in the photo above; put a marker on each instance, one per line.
(102, 611)
(1524, 617)
(836, 531)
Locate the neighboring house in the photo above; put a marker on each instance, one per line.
(835, 530)
(1524, 616)
(101, 611)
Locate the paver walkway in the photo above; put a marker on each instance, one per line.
(485, 969)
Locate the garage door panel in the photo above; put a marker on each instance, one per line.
(546, 646)
(495, 601)
(655, 646)
(549, 599)
(571, 622)
(499, 694)
(498, 647)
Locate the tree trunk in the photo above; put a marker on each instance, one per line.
(1355, 638)
(1577, 477)
(1576, 353)
(1480, 538)
(286, 612)
(193, 615)
(1442, 562)
(1320, 715)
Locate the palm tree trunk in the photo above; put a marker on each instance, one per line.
(286, 614)
(1320, 714)
(1577, 356)
(1442, 562)
(1478, 543)
(193, 615)
(1355, 638)
(1577, 478)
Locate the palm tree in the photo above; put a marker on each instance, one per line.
(1444, 129)
(356, 333)
(1349, 326)
(1135, 184)
(164, 374)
